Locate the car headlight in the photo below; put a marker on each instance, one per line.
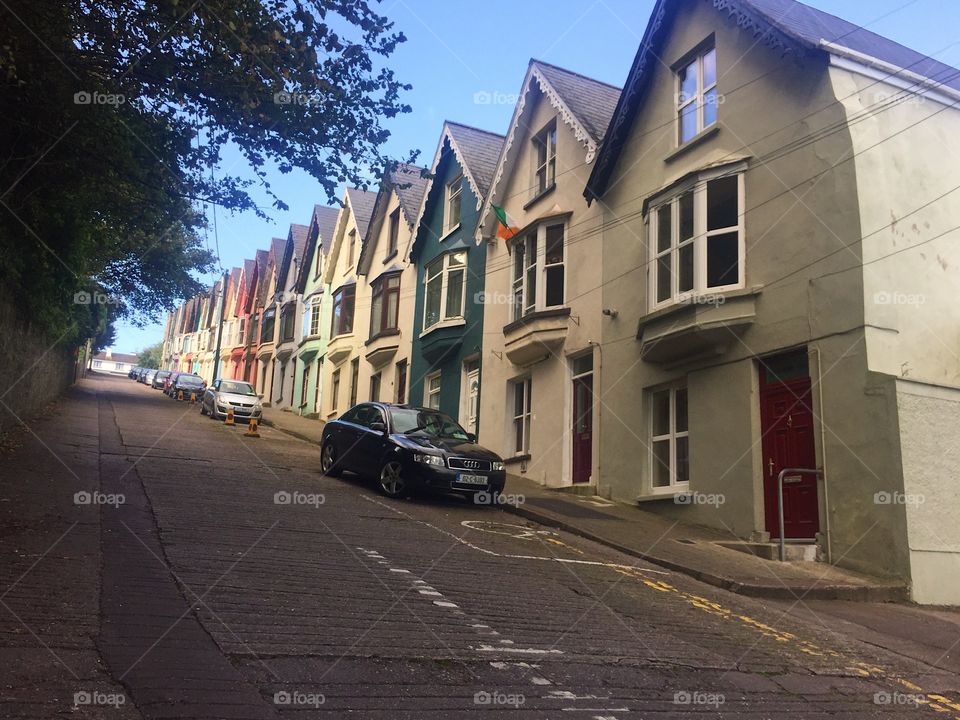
(429, 459)
(497, 466)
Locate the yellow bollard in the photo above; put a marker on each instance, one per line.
(179, 395)
(228, 420)
(252, 429)
(193, 397)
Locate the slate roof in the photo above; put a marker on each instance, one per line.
(809, 25)
(480, 151)
(326, 220)
(787, 26)
(591, 101)
(410, 184)
(362, 202)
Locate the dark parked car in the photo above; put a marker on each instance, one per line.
(160, 378)
(189, 383)
(133, 372)
(409, 448)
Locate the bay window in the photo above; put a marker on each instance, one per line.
(445, 280)
(384, 304)
(342, 320)
(541, 252)
(696, 240)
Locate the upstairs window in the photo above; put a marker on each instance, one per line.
(318, 265)
(445, 290)
(539, 254)
(384, 304)
(696, 240)
(454, 192)
(545, 159)
(351, 249)
(394, 231)
(342, 320)
(697, 95)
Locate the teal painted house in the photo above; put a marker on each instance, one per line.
(446, 360)
(308, 382)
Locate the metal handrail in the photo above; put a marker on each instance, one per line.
(808, 471)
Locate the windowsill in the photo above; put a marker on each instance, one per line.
(668, 493)
(540, 195)
(689, 301)
(449, 232)
(391, 256)
(513, 460)
(534, 316)
(693, 142)
(391, 332)
(452, 322)
(341, 336)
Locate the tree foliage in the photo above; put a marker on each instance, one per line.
(151, 356)
(112, 114)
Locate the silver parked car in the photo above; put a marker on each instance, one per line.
(147, 377)
(236, 394)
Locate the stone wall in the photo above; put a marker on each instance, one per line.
(34, 369)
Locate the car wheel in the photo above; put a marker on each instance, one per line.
(203, 409)
(328, 460)
(392, 483)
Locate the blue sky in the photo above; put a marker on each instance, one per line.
(463, 57)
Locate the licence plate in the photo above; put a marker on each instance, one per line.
(465, 479)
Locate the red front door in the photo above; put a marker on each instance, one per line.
(582, 428)
(786, 418)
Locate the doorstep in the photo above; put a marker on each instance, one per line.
(692, 549)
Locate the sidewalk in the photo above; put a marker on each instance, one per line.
(293, 424)
(692, 549)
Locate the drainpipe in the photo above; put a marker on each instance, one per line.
(597, 377)
(223, 306)
(823, 454)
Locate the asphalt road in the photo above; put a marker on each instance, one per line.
(236, 581)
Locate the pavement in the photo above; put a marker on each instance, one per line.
(204, 574)
(686, 548)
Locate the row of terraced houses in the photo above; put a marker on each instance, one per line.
(744, 260)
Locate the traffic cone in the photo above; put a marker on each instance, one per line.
(228, 420)
(252, 429)
(179, 395)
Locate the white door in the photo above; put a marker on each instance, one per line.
(470, 399)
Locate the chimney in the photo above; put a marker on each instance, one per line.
(109, 353)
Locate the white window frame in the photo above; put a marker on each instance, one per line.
(670, 202)
(429, 391)
(520, 286)
(682, 103)
(545, 158)
(524, 418)
(444, 274)
(671, 437)
(453, 191)
(314, 321)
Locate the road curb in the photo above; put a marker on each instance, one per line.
(291, 433)
(858, 593)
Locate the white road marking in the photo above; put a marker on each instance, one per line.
(567, 695)
(444, 603)
(526, 651)
(540, 681)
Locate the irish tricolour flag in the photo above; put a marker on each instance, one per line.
(506, 226)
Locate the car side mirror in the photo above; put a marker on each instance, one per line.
(378, 427)
(471, 437)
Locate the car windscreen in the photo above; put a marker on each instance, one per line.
(236, 388)
(409, 421)
(190, 381)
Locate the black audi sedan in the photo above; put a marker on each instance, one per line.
(408, 449)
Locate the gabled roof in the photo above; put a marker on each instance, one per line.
(585, 105)
(475, 150)
(274, 257)
(787, 26)
(292, 252)
(323, 223)
(362, 202)
(410, 183)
